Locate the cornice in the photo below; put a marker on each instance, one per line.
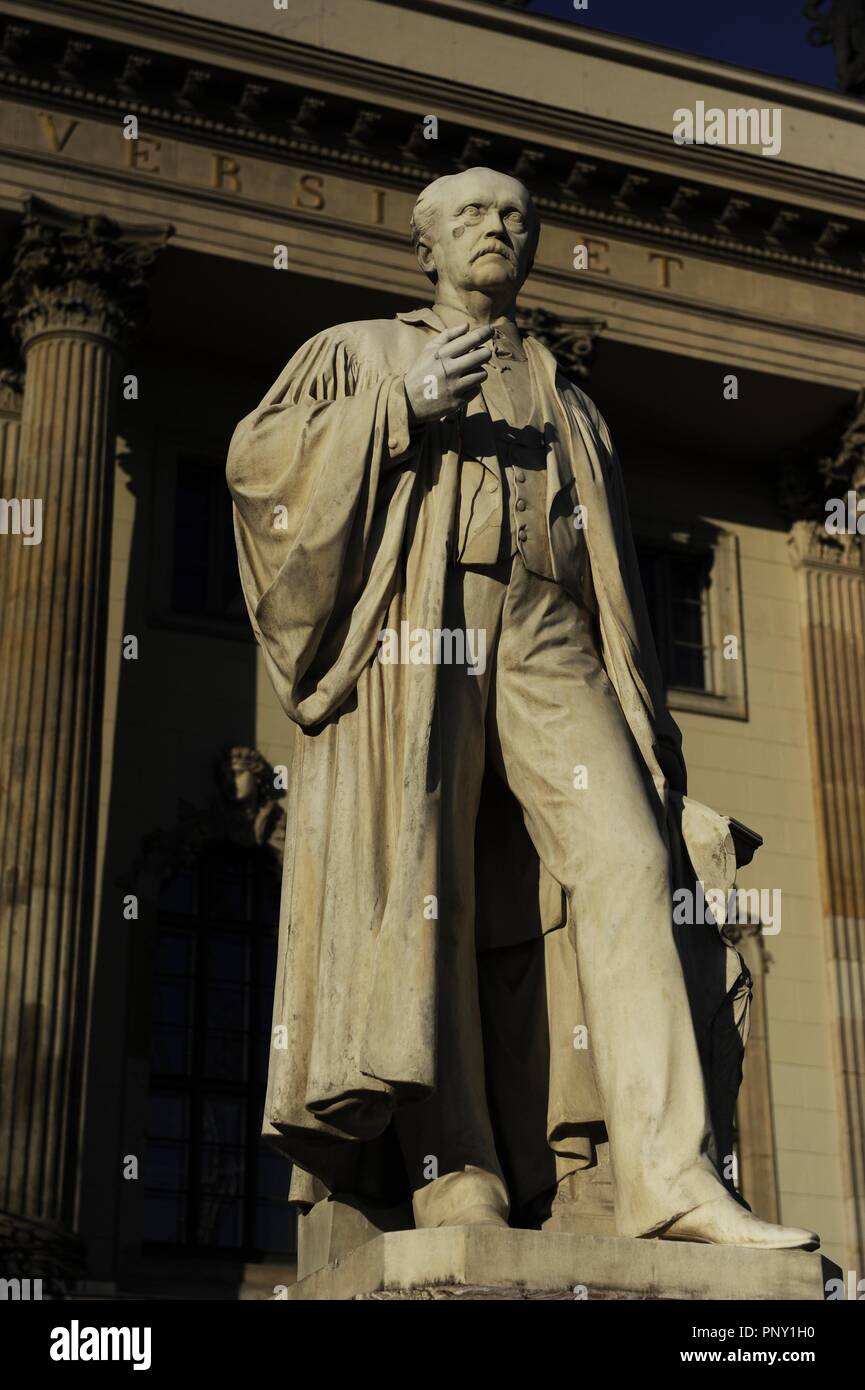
(148, 21)
(305, 114)
(812, 339)
(617, 48)
(271, 56)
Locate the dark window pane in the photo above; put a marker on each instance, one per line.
(675, 585)
(168, 1116)
(219, 1223)
(225, 1057)
(174, 952)
(267, 959)
(172, 1002)
(264, 1017)
(689, 573)
(210, 1030)
(166, 1165)
(205, 579)
(261, 1053)
(226, 958)
(221, 1170)
(650, 587)
(170, 1049)
(223, 1120)
(192, 537)
(226, 1005)
(165, 1216)
(178, 893)
(688, 669)
(228, 896)
(270, 902)
(274, 1175)
(688, 582)
(275, 1226)
(687, 624)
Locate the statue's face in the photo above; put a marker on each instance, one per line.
(243, 779)
(482, 235)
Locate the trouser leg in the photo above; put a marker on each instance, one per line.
(447, 1141)
(554, 712)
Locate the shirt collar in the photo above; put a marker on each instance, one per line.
(426, 314)
(439, 316)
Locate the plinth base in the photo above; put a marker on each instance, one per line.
(488, 1262)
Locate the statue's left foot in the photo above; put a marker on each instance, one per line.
(724, 1222)
(478, 1216)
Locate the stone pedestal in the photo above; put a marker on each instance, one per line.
(491, 1263)
(334, 1227)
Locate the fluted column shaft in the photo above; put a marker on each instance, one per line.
(52, 651)
(69, 298)
(10, 433)
(758, 1179)
(832, 580)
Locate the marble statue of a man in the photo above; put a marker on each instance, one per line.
(435, 550)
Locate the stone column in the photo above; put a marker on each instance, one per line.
(831, 572)
(758, 1180)
(77, 284)
(10, 433)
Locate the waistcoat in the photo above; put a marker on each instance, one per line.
(512, 516)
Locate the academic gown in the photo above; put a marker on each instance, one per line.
(343, 521)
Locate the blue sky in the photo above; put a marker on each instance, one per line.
(768, 35)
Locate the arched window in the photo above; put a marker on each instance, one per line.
(209, 1183)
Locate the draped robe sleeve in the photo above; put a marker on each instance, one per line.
(319, 521)
(341, 523)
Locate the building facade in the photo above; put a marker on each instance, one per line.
(187, 193)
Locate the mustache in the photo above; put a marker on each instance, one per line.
(496, 248)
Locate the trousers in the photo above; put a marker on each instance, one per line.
(544, 714)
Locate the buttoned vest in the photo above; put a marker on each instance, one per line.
(502, 512)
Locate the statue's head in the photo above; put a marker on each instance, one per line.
(243, 774)
(477, 230)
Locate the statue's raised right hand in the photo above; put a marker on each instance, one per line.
(448, 372)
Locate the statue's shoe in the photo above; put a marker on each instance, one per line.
(478, 1216)
(724, 1222)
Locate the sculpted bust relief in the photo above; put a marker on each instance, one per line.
(481, 854)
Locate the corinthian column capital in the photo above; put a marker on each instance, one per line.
(78, 273)
(826, 502)
(812, 545)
